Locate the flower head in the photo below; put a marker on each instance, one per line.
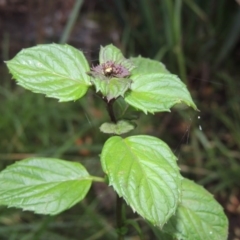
(110, 69)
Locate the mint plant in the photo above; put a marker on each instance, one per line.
(141, 169)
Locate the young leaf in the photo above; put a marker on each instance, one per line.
(112, 53)
(58, 71)
(43, 185)
(121, 127)
(146, 65)
(143, 170)
(157, 92)
(198, 216)
(112, 88)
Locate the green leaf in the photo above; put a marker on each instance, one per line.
(146, 65)
(143, 170)
(58, 71)
(198, 216)
(112, 88)
(43, 185)
(112, 53)
(157, 92)
(118, 128)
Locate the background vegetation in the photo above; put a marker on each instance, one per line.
(199, 40)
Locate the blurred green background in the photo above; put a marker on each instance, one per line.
(199, 40)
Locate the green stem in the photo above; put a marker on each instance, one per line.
(97, 179)
(119, 201)
(110, 110)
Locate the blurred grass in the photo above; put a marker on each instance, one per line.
(71, 21)
(198, 40)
